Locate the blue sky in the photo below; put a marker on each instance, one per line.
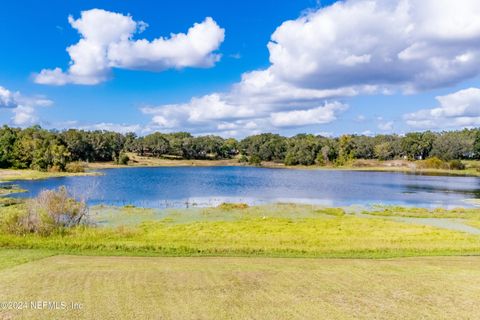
(322, 48)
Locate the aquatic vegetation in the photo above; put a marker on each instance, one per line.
(414, 212)
(10, 189)
(231, 206)
(279, 230)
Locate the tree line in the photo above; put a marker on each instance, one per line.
(41, 149)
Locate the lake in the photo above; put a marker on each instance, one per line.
(208, 186)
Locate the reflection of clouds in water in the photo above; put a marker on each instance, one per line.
(202, 202)
(442, 188)
(215, 201)
(203, 187)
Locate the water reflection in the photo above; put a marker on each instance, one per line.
(187, 186)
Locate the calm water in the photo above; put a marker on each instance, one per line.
(187, 186)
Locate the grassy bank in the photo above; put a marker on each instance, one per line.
(245, 288)
(10, 189)
(411, 212)
(10, 174)
(271, 231)
(402, 166)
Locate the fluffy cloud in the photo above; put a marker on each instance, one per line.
(409, 44)
(386, 126)
(107, 42)
(7, 98)
(22, 107)
(108, 126)
(319, 115)
(236, 113)
(349, 48)
(459, 109)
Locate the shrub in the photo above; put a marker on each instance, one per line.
(75, 167)
(255, 160)
(123, 159)
(432, 163)
(230, 206)
(243, 159)
(11, 219)
(338, 212)
(55, 168)
(320, 160)
(51, 210)
(456, 165)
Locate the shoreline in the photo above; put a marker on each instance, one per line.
(406, 167)
(7, 175)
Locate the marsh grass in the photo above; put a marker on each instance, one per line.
(6, 190)
(281, 230)
(412, 212)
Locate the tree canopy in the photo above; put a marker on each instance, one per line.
(41, 149)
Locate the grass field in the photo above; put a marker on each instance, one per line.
(239, 262)
(245, 288)
(281, 230)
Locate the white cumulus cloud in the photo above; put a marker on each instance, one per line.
(386, 126)
(107, 41)
(459, 109)
(350, 48)
(23, 108)
(319, 115)
(409, 44)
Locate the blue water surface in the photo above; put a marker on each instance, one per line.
(207, 186)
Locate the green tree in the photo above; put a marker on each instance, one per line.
(346, 150)
(302, 149)
(267, 146)
(417, 145)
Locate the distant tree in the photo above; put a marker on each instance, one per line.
(78, 144)
(346, 149)
(417, 145)
(266, 146)
(302, 149)
(364, 147)
(155, 144)
(41, 149)
(384, 151)
(454, 145)
(8, 136)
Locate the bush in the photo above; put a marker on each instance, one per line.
(456, 165)
(231, 206)
(432, 163)
(255, 160)
(123, 159)
(75, 167)
(338, 212)
(50, 211)
(11, 219)
(55, 168)
(243, 159)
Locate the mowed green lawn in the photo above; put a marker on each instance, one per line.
(244, 288)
